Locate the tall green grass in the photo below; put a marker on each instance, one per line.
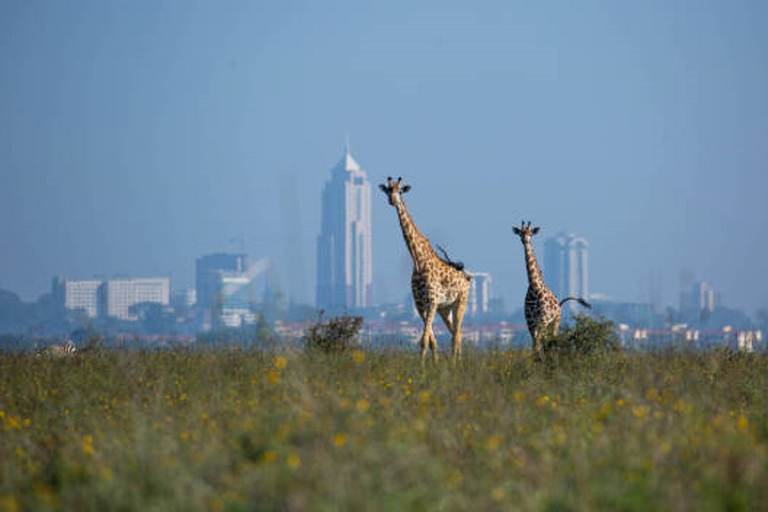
(282, 430)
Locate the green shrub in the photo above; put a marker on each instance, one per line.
(586, 336)
(338, 334)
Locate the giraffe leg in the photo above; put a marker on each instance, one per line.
(556, 324)
(538, 354)
(458, 317)
(536, 339)
(428, 338)
(424, 342)
(550, 332)
(433, 346)
(449, 317)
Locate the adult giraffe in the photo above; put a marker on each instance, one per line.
(438, 285)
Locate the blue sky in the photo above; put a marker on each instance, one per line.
(138, 136)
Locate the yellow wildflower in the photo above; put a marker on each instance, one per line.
(268, 457)
(9, 502)
(216, 504)
(340, 439)
(293, 461)
(492, 443)
(88, 445)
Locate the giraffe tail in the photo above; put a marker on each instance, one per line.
(577, 299)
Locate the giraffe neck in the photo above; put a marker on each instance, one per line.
(418, 245)
(534, 273)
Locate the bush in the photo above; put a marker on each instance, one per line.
(585, 336)
(338, 334)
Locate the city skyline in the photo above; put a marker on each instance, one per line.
(139, 136)
(565, 263)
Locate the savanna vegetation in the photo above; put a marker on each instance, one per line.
(355, 429)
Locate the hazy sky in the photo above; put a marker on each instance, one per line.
(137, 136)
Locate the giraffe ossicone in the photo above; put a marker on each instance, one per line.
(438, 286)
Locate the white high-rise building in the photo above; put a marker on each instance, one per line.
(113, 297)
(566, 265)
(78, 295)
(118, 295)
(344, 267)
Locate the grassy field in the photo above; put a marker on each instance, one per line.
(281, 430)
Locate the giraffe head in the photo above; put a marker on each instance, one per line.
(394, 190)
(525, 232)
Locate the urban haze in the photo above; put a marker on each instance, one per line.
(138, 138)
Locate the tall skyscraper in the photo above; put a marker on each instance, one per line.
(344, 271)
(566, 265)
(479, 293)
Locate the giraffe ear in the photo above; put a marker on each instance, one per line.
(535, 230)
(405, 189)
(384, 188)
(516, 230)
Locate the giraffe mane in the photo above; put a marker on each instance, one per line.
(458, 265)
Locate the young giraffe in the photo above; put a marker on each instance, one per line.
(438, 286)
(542, 309)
